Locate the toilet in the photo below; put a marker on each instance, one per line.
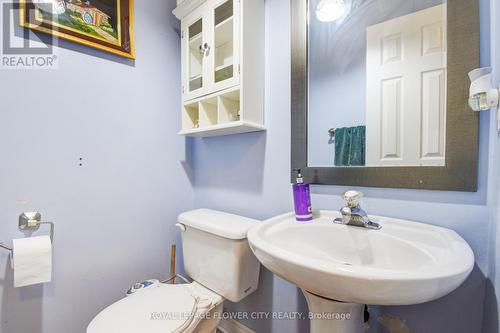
(218, 259)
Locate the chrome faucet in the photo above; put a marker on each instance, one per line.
(352, 214)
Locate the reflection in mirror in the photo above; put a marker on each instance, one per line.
(377, 83)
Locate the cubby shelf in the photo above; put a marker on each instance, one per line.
(216, 114)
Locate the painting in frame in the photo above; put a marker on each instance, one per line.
(107, 25)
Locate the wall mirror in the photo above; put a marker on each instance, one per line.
(379, 92)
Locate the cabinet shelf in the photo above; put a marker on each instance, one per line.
(195, 82)
(229, 20)
(195, 77)
(224, 48)
(223, 72)
(195, 38)
(221, 67)
(234, 127)
(224, 33)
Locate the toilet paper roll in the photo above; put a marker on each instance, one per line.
(32, 261)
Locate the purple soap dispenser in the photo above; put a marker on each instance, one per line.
(302, 199)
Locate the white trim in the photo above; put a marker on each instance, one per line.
(233, 326)
(186, 7)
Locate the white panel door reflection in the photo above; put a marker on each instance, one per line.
(406, 90)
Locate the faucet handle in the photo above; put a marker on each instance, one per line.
(352, 198)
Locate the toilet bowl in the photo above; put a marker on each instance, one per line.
(162, 308)
(219, 260)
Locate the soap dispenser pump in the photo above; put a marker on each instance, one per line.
(302, 199)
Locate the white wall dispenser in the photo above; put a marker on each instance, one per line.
(482, 95)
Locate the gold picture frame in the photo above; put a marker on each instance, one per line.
(85, 23)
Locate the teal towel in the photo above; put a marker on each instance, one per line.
(350, 146)
(342, 146)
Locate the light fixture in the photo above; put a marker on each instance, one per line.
(330, 10)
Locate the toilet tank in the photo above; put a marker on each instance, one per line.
(216, 252)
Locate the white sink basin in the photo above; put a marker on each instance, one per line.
(403, 263)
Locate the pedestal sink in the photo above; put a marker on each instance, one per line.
(342, 267)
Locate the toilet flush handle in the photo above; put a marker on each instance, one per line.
(181, 226)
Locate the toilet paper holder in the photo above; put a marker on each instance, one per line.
(31, 221)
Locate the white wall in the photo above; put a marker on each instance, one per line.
(115, 214)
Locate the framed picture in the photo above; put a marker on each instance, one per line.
(107, 25)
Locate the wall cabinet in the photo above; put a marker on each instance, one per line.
(222, 66)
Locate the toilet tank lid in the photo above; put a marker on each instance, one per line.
(222, 224)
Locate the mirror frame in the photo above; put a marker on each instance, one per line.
(462, 124)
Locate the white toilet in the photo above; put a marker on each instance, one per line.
(219, 260)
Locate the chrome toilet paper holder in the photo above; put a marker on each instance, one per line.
(31, 221)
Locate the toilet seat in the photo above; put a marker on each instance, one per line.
(163, 308)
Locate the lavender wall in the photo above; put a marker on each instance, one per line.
(249, 175)
(115, 214)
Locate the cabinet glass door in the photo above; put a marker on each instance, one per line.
(224, 20)
(195, 56)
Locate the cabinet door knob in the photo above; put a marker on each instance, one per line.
(206, 48)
